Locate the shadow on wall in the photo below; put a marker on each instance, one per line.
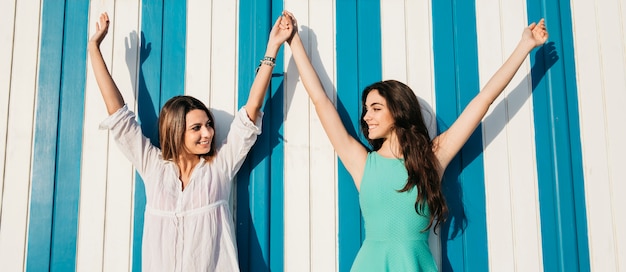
(254, 247)
(545, 57)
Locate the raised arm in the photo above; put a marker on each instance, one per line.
(349, 150)
(450, 142)
(281, 31)
(110, 93)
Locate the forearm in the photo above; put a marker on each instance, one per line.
(110, 93)
(309, 77)
(260, 84)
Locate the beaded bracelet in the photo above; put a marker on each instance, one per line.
(269, 61)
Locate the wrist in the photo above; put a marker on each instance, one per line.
(272, 50)
(527, 45)
(92, 45)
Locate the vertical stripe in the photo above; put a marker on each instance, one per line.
(358, 65)
(58, 137)
(70, 129)
(161, 76)
(557, 136)
(259, 201)
(173, 54)
(45, 137)
(274, 108)
(464, 235)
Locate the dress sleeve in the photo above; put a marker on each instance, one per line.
(134, 145)
(240, 139)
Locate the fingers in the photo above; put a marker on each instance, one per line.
(290, 16)
(278, 22)
(103, 22)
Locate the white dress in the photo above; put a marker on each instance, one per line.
(191, 229)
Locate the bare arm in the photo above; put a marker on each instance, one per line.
(451, 141)
(281, 31)
(349, 150)
(110, 93)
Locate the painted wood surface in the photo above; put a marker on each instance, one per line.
(600, 43)
(20, 39)
(510, 175)
(105, 235)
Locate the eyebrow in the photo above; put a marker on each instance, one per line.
(374, 104)
(199, 123)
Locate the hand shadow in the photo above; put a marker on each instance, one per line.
(146, 111)
(545, 57)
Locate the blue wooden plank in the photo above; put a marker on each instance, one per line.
(359, 64)
(464, 235)
(557, 139)
(173, 54)
(274, 107)
(70, 132)
(260, 202)
(45, 137)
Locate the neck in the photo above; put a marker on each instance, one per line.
(186, 166)
(391, 147)
(187, 163)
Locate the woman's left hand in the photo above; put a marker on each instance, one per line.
(282, 30)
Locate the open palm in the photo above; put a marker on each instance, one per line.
(102, 27)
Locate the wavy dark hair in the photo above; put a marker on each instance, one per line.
(417, 147)
(172, 123)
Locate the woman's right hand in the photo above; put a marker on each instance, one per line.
(102, 27)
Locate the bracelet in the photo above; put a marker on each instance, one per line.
(269, 61)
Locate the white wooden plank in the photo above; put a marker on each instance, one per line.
(495, 155)
(198, 49)
(593, 131)
(511, 180)
(420, 63)
(521, 146)
(297, 153)
(224, 46)
(118, 236)
(91, 219)
(7, 21)
(613, 55)
(393, 40)
(323, 186)
(19, 139)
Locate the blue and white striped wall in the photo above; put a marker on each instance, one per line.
(537, 187)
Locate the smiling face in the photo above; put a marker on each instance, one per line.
(198, 133)
(377, 116)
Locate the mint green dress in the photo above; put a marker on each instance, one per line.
(393, 237)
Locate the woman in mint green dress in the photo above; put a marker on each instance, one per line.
(399, 180)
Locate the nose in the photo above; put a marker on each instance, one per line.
(367, 116)
(207, 131)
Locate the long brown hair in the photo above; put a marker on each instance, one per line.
(417, 148)
(172, 126)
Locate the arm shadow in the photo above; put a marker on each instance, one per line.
(146, 111)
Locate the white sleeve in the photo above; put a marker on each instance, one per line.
(241, 137)
(134, 145)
